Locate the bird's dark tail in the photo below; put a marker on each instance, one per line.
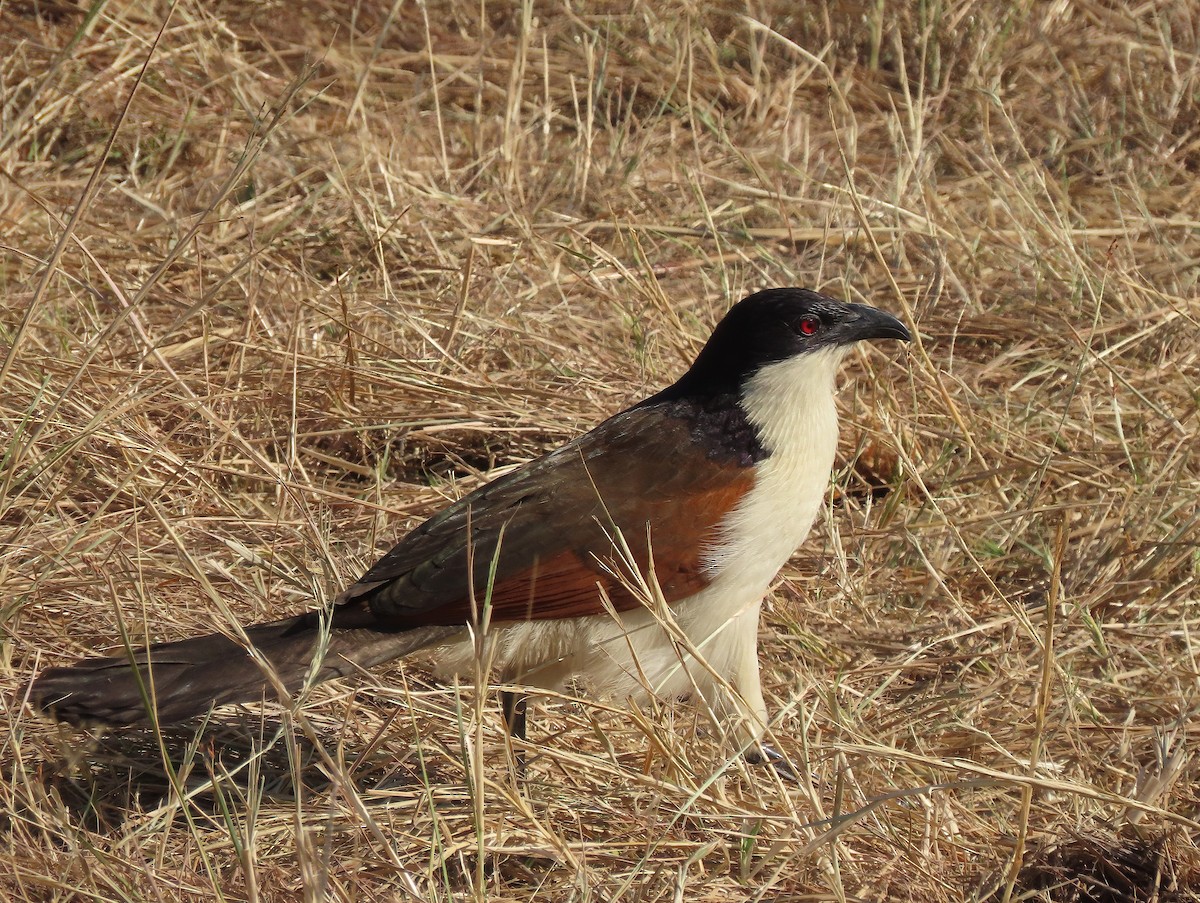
(182, 679)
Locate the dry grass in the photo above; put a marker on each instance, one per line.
(340, 261)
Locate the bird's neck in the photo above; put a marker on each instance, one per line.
(784, 408)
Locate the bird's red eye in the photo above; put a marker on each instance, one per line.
(809, 325)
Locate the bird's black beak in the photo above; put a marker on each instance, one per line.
(871, 323)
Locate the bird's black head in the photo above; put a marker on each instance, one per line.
(777, 324)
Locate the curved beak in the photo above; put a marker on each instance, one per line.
(872, 323)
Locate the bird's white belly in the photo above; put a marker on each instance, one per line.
(630, 654)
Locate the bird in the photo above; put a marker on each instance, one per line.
(633, 560)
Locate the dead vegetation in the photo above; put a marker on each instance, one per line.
(278, 279)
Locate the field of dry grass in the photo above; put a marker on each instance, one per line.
(277, 280)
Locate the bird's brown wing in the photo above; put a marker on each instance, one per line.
(547, 530)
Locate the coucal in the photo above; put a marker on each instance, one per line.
(695, 498)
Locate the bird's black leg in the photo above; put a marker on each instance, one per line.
(512, 704)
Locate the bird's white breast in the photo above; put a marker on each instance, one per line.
(791, 405)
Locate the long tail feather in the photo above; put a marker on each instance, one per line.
(185, 678)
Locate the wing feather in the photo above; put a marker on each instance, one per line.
(553, 521)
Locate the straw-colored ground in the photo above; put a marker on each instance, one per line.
(278, 279)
